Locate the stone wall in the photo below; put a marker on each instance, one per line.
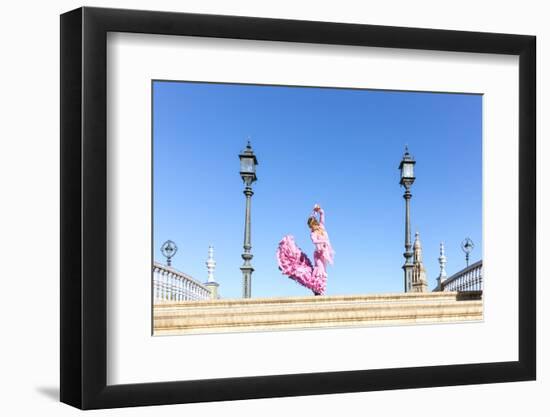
(260, 314)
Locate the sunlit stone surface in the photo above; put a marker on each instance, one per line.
(238, 315)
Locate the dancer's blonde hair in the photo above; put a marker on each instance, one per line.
(314, 225)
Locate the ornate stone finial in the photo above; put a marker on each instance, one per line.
(211, 264)
(211, 283)
(417, 246)
(419, 276)
(442, 262)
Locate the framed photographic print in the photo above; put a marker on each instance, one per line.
(257, 207)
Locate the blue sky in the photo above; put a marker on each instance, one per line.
(337, 147)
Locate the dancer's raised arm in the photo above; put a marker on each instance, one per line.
(317, 208)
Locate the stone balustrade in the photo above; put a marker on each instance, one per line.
(171, 285)
(469, 279)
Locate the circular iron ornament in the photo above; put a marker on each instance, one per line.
(467, 245)
(169, 249)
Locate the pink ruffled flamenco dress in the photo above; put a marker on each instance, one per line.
(294, 263)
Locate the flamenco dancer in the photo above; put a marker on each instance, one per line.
(295, 263)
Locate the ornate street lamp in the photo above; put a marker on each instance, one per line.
(248, 174)
(168, 249)
(407, 179)
(467, 247)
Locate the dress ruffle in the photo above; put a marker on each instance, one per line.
(294, 263)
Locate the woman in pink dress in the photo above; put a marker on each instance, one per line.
(295, 263)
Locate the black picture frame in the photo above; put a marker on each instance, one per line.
(84, 207)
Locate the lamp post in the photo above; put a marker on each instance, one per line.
(248, 174)
(467, 247)
(407, 179)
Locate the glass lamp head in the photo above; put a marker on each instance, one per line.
(248, 165)
(407, 169)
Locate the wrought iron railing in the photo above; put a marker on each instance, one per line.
(469, 279)
(170, 284)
